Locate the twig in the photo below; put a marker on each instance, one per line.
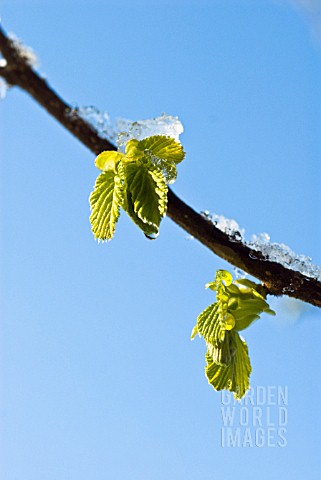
(276, 278)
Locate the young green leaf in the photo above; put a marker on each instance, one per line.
(234, 376)
(162, 152)
(108, 160)
(105, 202)
(237, 306)
(137, 181)
(159, 146)
(151, 231)
(221, 353)
(245, 321)
(147, 193)
(210, 325)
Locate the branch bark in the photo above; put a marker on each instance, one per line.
(277, 279)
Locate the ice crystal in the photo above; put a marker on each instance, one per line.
(25, 52)
(166, 125)
(271, 251)
(281, 253)
(226, 225)
(123, 129)
(98, 120)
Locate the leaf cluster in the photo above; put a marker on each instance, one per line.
(135, 181)
(238, 304)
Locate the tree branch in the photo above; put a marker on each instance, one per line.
(276, 278)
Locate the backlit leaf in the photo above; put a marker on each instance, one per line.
(159, 146)
(105, 202)
(147, 192)
(210, 325)
(237, 305)
(234, 376)
(108, 160)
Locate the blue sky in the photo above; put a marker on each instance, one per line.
(99, 377)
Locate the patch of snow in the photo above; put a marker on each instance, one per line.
(281, 253)
(98, 120)
(25, 52)
(226, 225)
(271, 251)
(124, 130)
(166, 125)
